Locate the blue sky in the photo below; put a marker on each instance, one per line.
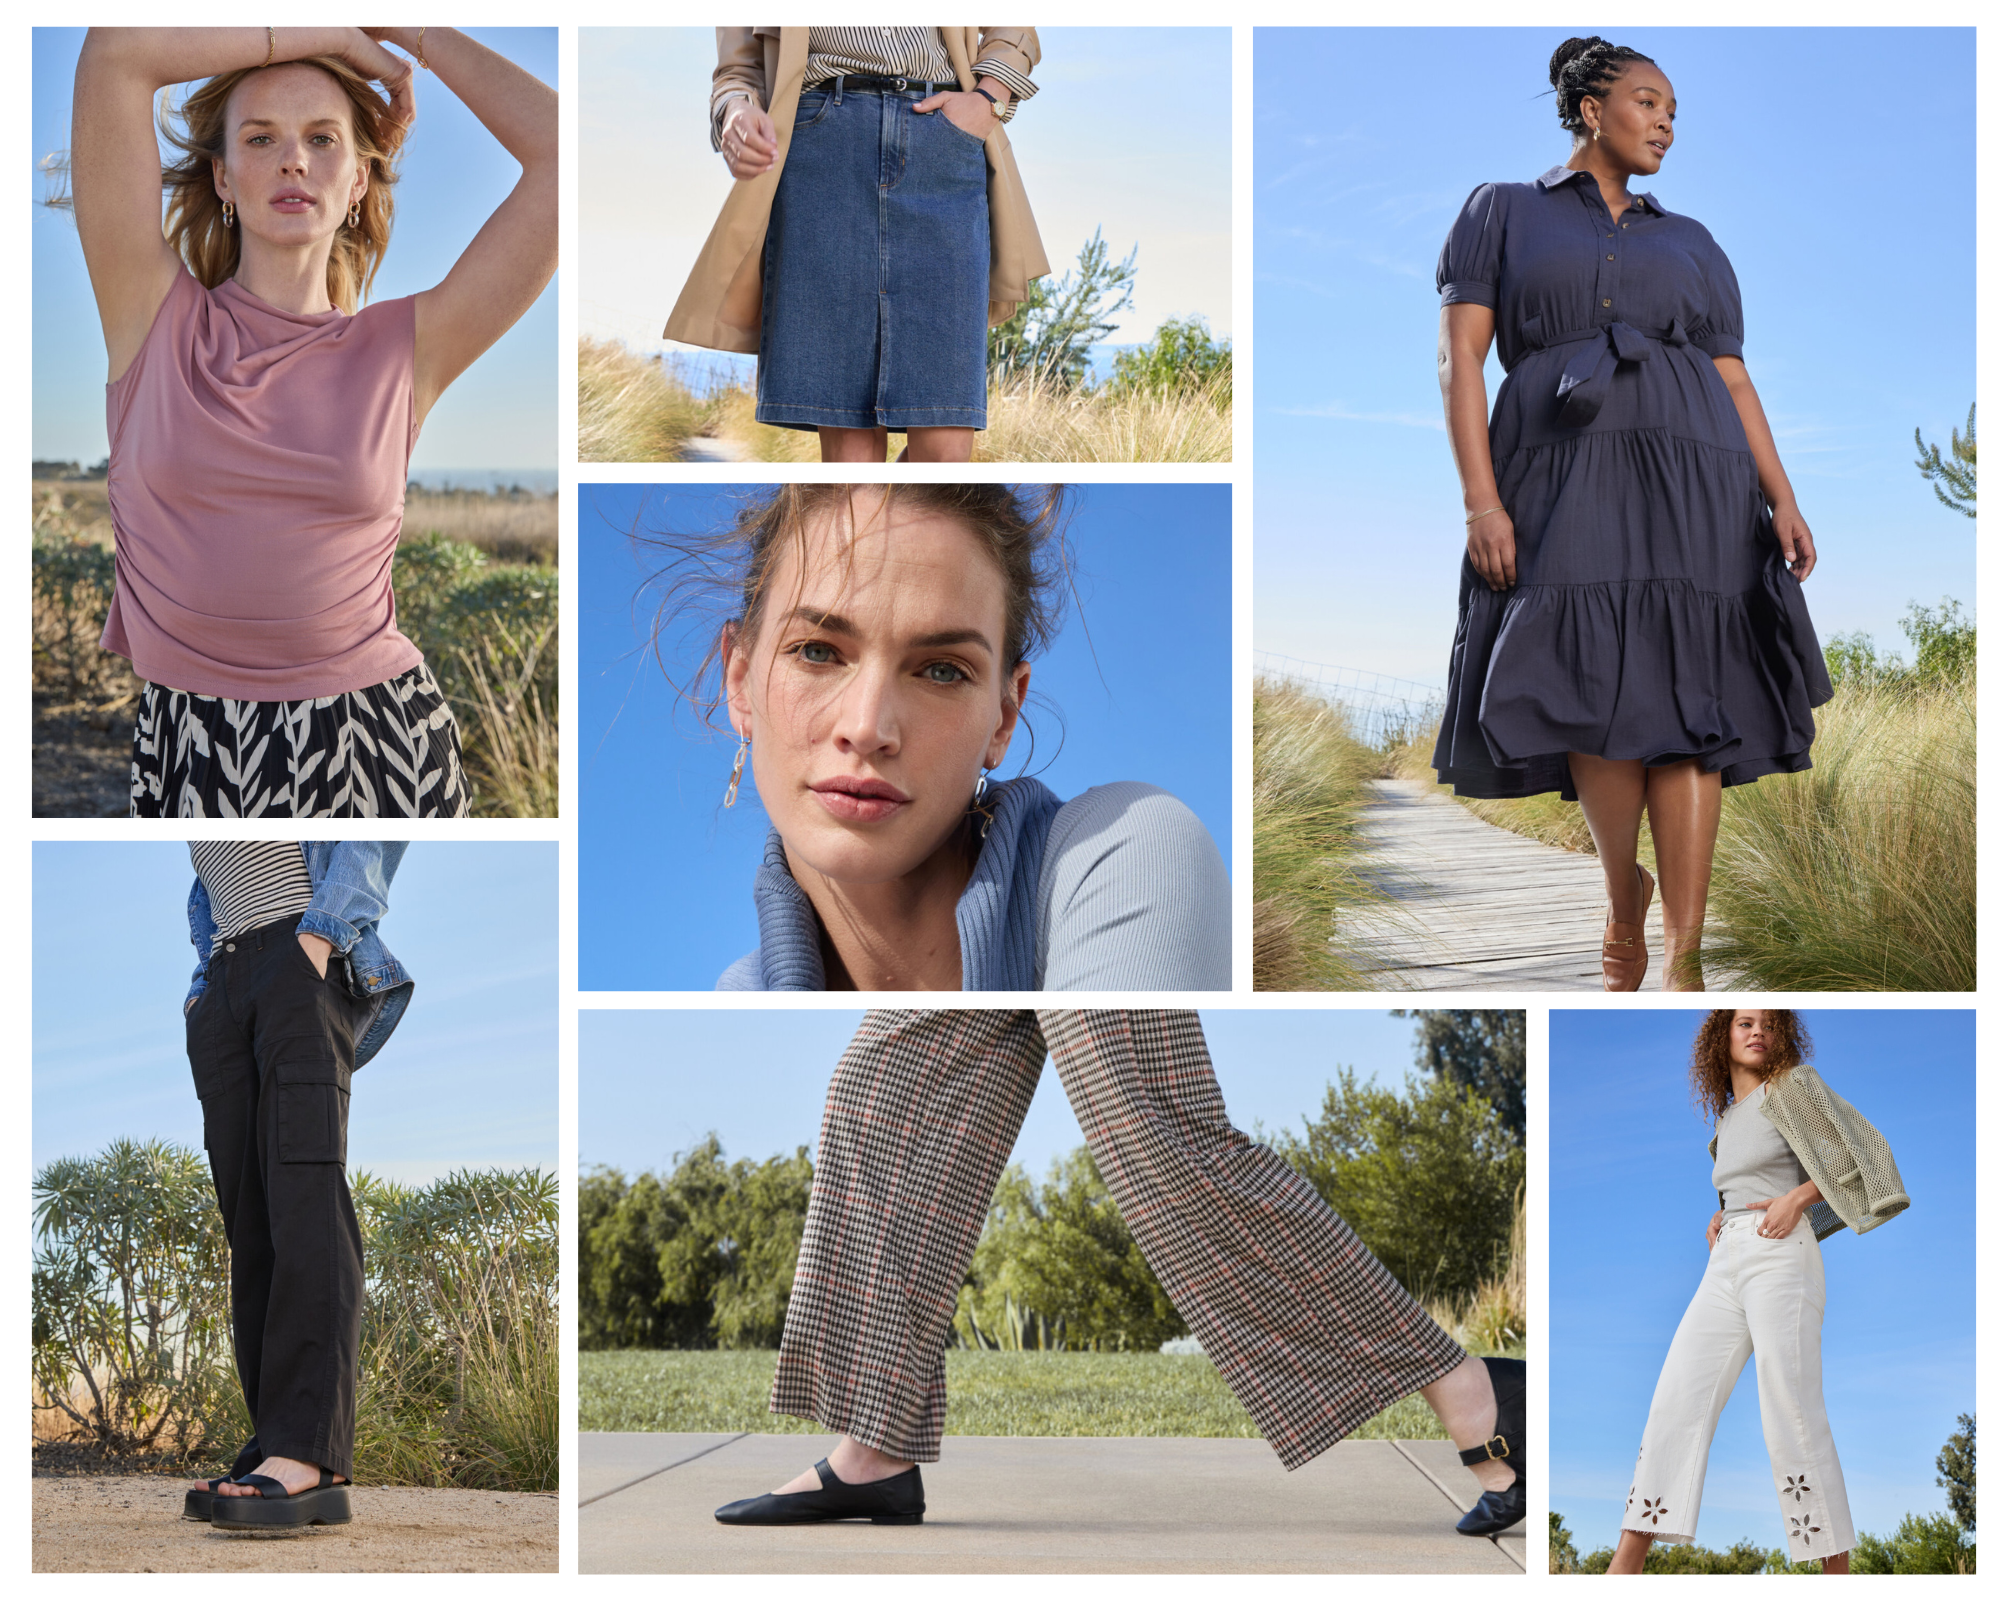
(468, 1080)
(651, 1084)
(1629, 1199)
(1834, 166)
(649, 186)
(500, 413)
(1141, 680)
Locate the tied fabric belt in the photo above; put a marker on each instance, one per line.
(1586, 380)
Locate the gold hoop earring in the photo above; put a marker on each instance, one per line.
(354, 215)
(229, 213)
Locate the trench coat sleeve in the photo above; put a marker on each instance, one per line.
(721, 304)
(1018, 258)
(739, 69)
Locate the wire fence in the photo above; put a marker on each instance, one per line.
(1383, 710)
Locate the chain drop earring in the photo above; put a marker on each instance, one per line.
(354, 215)
(736, 774)
(229, 213)
(978, 794)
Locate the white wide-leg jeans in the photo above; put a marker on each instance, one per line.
(1762, 1297)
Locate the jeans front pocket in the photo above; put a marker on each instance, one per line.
(813, 107)
(971, 139)
(312, 1087)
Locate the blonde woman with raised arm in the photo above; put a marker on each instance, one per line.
(261, 416)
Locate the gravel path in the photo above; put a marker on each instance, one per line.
(133, 1524)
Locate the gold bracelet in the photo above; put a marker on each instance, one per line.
(420, 51)
(1469, 521)
(270, 45)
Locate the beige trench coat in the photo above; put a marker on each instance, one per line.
(722, 305)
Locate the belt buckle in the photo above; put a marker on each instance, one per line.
(902, 84)
(1502, 1453)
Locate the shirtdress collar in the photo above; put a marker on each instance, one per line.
(1556, 177)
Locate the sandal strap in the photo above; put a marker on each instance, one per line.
(269, 1488)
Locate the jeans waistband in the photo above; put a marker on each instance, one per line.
(1754, 1219)
(854, 83)
(256, 938)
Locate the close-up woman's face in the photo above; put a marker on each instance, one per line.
(290, 163)
(1751, 1039)
(875, 688)
(1636, 118)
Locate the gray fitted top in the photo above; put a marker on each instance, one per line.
(1753, 1161)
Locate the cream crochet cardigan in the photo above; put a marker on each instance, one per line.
(1839, 1149)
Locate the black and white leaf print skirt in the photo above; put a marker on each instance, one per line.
(389, 750)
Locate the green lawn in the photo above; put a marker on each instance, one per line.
(1046, 1396)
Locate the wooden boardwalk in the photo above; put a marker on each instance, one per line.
(1476, 907)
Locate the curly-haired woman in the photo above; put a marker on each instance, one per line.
(1794, 1163)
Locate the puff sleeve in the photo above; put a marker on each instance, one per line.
(1722, 334)
(1469, 265)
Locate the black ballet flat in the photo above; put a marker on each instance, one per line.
(899, 1500)
(1499, 1509)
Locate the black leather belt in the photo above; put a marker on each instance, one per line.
(847, 83)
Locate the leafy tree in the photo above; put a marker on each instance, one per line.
(1426, 1178)
(1486, 1051)
(1934, 1544)
(1562, 1547)
(700, 1259)
(1946, 642)
(618, 1265)
(1052, 332)
(1954, 482)
(1061, 1253)
(1956, 1475)
(1182, 354)
(130, 1298)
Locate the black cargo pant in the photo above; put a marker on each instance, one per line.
(272, 1047)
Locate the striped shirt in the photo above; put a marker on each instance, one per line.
(251, 883)
(914, 53)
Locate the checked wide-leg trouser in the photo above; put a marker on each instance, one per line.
(1310, 1331)
(1758, 1296)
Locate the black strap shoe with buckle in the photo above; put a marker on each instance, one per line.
(898, 1499)
(1500, 1509)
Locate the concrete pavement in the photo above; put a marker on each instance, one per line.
(1045, 1505)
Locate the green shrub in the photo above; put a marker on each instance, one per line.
(1182, 354)
(72, 583)
(1934, 1544)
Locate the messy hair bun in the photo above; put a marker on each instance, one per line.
(1586, 67)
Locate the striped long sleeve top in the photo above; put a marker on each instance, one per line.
(916, 53)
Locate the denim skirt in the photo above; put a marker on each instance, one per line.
(875, 268)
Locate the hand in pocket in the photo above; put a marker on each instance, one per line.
(318, 951)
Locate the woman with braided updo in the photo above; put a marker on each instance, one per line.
(1631, 632)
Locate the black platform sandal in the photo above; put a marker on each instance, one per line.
(1500, 1509)
(195, 1507)
(274, 1506)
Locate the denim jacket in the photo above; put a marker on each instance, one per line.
(350, 883)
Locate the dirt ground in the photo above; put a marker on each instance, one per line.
(83, 760)
(132, 1523)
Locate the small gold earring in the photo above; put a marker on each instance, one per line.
(229, 213)
(354, 215)
(1596, 134)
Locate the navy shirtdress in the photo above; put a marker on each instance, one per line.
(1653, 619)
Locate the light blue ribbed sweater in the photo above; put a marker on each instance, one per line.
(1120, 888)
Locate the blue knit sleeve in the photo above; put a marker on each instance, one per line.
(1132, 895)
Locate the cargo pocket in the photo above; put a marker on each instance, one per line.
(312, 1101)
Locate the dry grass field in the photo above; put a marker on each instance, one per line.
(640, 408)
(480, 576)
